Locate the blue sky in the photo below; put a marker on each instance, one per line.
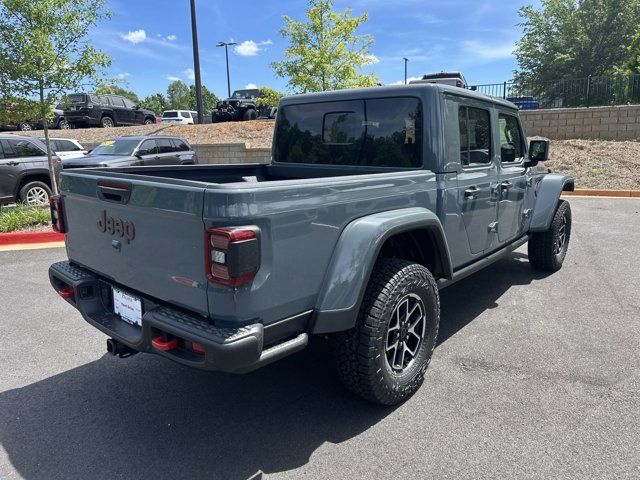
(149, 41)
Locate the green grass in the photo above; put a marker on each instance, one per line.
(19, 217)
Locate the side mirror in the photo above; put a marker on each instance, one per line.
(139, 153)
(538, 152)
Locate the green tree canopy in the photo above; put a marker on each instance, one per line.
(270, 97)
(178, 95)
(632, 63)
(156, 102)
(209, 100)
(574, 38)
(117, 90)
(324, 52)
(44, 51)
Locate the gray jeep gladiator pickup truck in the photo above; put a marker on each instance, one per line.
(374, 200)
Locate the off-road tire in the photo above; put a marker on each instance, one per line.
(63, 124)
(33, 190)
(361, 353)
(25, 127)
(149, 121)
(544, 251)
(249, 114)
(107, 122)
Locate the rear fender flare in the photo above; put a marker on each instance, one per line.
(354, 257)
(547, 197)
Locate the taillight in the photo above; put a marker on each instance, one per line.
(57, 219)
(232, 255)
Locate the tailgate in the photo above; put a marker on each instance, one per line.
(146, 234)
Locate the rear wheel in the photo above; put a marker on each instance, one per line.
(107, 122)
(249, 114)
(149, 121)
(385, 356)
(25, 127)
(547, 250)
(35, 194)
(63, 124)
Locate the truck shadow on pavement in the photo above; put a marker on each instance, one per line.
(146, 417)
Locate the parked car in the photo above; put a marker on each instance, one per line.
(374, 201)
(241, 105)
(183, 117)
(90, 109)
(455, 79)
(67, 148)
(135, 151)
(525, 102)
(56, 120)
(24, 170)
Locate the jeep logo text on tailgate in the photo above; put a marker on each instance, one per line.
(117, 226)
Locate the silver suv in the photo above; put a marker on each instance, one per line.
(24, 170)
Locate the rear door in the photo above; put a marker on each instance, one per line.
(184, 152)
(166, 153)
(478, 176)
(136, 115)
(122, 115)
(513, 182)
(145, 235)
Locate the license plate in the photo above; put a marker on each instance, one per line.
(128, 306)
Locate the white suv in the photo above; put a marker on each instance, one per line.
(185, 117)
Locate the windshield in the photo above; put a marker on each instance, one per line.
(170, 114)
(245, 94)
(118, 146)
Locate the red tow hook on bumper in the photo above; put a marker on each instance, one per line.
(160, 343)
(66, 292)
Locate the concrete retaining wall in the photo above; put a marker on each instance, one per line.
(605, 123)
(231, 153)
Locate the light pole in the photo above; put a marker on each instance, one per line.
(226, 54)
(405, 69)
(196, 61)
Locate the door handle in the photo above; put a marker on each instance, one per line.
(471, 192)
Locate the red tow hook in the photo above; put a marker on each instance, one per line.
(160, 343)
(66, 292)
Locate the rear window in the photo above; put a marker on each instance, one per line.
(384, 132)
(170, 115)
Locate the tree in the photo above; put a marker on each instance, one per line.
(178, 95)
(574, 39)
(631, 65)
(324, 53)
(209, 100)
(270, 97)
(156, 102)
(117, 90)
(44, 51)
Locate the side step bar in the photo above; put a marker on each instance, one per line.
(277, 352)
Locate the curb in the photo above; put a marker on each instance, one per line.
(29, 238)
(604, 193)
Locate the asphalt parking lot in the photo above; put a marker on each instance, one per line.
(535, 376)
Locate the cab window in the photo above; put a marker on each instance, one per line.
(475, 136)
(148, 147)
(511, 145)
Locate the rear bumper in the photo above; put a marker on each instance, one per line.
(235, 350)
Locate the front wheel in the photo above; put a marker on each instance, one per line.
(249, 114)
(149, 121)
(25, 127)
(547, 250)
(63, 124)
(384, 357)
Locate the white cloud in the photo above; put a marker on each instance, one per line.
(171, 37)
(122, 76)
(190, 74)
(173, 78)
(483, 51)
(249, 48)
(251, 85)
(372, 59)
(135, 36)
(401, 82)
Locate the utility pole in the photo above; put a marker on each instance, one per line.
(405, 69)
(226, 54)
(196, 62)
